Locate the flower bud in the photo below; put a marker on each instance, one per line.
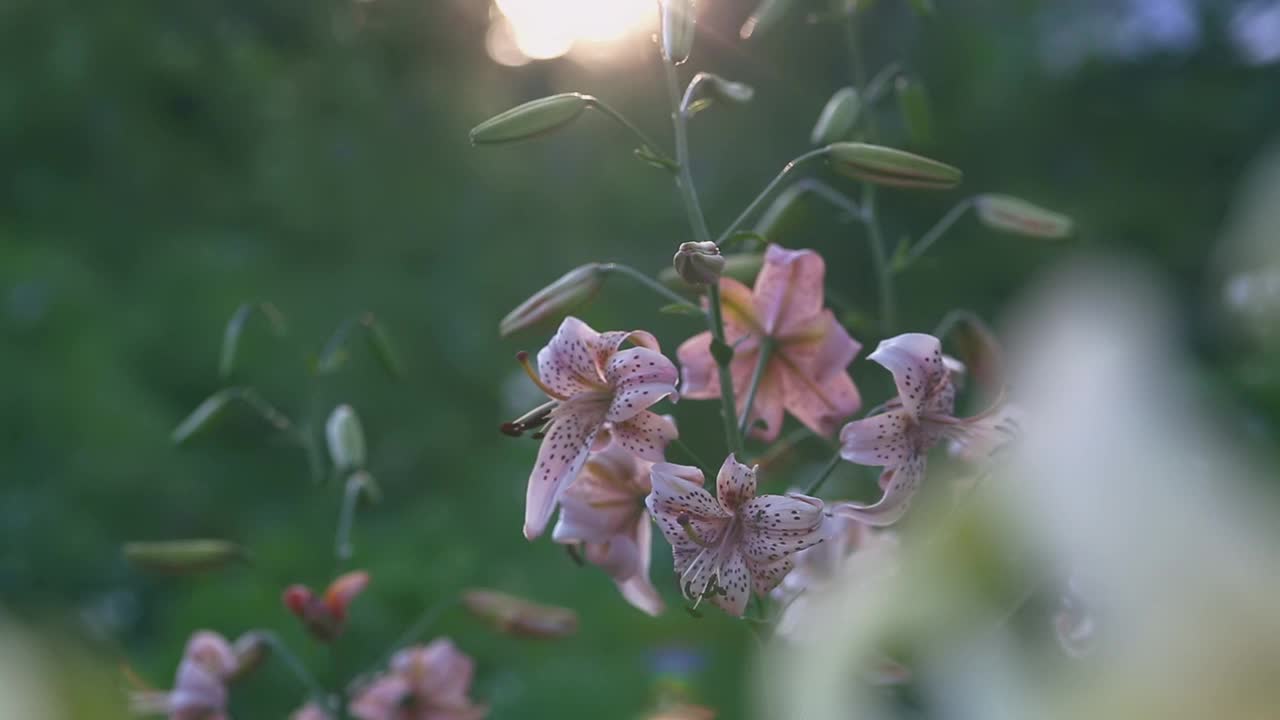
(555, 300)
(534, 118)
(742, 267)
(1013, 215)
(345, 438)
(837, 117)
(251, 649)
(516, 616)
(729, 90)
(678, 23)
(183, 556)
(699, 263)
(766, 15)
(894, 168)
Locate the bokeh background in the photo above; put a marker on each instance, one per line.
(160, 163)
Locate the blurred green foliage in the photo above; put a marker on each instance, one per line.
(165, 162)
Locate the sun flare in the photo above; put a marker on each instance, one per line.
(525, 30)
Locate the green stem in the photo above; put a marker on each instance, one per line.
(342, 549)
(823, 474)
(768, 192)
(705, 468)
(936, 232)
(879, 259)
(762, 362)
(622, 120)
(649, 283)
(295, 665)
(684, 181)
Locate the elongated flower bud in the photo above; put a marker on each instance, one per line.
(183, 556)
(892, 167)
(555, 300)
(699, 263)
(251, 649)
(534, 118)
(678, 24)
(345, 439)
(516, 616)
(1013, 215)
(837, 117)
(707, 88)
(766, 15)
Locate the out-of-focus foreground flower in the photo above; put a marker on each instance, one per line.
(1123, 479)
(731, 544)
(426, 682)
(200, 687)
(808, 351)
(325, 616)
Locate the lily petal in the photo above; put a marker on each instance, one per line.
(639, 377)
(646, 435)
(733, 585)
(915, 359)
(777, 526)
(884, 440)
(788, 289)
(767, 409)
(676, 498)
(698, 374)
(618, 556)
(638, 589)
(735, 483)
(563, 453)
(899, 488)
(739, 311)
(567, 364)
(766, 576)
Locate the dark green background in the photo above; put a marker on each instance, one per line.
(161, 162)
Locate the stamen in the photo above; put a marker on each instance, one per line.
(537, 417)
(522, 357)
(687, 525)
(572, 549)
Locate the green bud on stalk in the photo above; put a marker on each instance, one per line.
(838, 117)
(891, 167)
(345, 438)
(178, 557)
(532, 119)
(555, 300)
(678, 24)
(742, 267)
(767, 14)
(699, 263)
(1017, 216)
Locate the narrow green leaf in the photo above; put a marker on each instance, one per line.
(202, 417)
(679, 309)
(178, 557)
(382, 346)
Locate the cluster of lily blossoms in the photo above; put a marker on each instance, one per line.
(602, 456)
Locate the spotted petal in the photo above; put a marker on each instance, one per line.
(766, 575)
(885, 440)
(646, 435)
(732, 585)
(678, 494)
(915, 359)
(789, 288)
(900, 484)
(567, 364)
(639, 378)
(777, 526)
(563, 453)
(735, 484)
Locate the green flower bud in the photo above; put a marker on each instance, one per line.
(345, 438)
(767, 14)
(891, 167)
(555, 300)
(699, 263)
(678, 24)
(837, 117)
(183, 556)
(1013, 215)
(534, 118)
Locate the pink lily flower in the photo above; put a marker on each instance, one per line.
(604, 509)
(806, 373)
(727, 546)
(311, 711)
(914, 421)
(200, 687)
(325, 616)
(593, 385)
(428, 682)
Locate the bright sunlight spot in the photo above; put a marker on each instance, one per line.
(524, 30)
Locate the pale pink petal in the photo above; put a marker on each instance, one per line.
(821, 347)
(698, 372)
(639, 378)
(197, 689)
(440, 671)
(777, 526)
(767, 408)
(818, 389)
(381, 699)
(767, 574)
(789, 288)
(899, 489)
(676, 497)
(567, 364)
(733, 585)
(738, 311)
(735, 483)
(563, 453)
(618, 556)
(646, 435)
(915, 359)
(605, 499)
(638, 589)
(980, 439)
(884, 440)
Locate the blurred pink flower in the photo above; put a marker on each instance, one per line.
(604, 509)
(325, 616)
(200, 687)
(428, 682)
(729, 545)
(593, 384)
(311, 711)
(806, 372)
(914, 421)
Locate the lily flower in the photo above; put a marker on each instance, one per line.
(604, 509)
(594, 385)
(808, 351)
(311, 711)
(200, 687)
(729, 545)
(325, 616)
(914, 421)
(428, 682)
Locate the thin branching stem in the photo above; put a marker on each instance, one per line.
(762, 362)
(936, 232)
(823, 474)
(765, 194)
(657, 287)
(622, 120)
